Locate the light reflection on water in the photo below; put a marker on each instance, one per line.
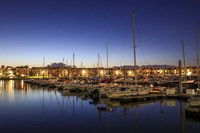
(29, 108)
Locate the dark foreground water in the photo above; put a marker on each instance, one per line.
(27, 108)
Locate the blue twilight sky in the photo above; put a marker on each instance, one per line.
(32, 29)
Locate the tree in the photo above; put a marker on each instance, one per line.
(2, 67)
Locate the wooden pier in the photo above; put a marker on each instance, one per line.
(150, 97)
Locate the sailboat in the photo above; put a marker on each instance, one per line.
(193, 105)
(133, 90)
(141, 90)
(192, 108)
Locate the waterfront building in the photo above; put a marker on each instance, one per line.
(22, 71)
(114, 72)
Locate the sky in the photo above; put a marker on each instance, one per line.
(31, 30)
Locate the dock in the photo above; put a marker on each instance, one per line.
(150, 97)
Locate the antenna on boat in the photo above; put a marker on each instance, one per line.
(134, 47)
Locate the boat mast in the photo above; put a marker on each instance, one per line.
(183, 54)
(107, 53)
(63, 66)
(43, 66)
(184, 64)
(98, 69)
(43, 61)
(73, 59)
(197, 54)
(107, 72)
(73, 67)
(134, 48)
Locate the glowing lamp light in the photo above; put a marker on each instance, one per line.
(161, 71)
(174, 71)
(83, 72)
(129, 72)
(189, 73)
(117, 72)
(101, 72)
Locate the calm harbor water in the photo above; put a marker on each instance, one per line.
(29, 108)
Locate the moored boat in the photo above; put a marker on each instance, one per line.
(193, 106)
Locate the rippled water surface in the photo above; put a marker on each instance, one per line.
(29, 108)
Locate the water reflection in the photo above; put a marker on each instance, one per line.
(46, 110)
(7, 89)
(171, 103)
(21, 87)
(135, 111)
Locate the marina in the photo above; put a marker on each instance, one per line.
(46, 109)
(99, 66)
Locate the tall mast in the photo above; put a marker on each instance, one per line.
(43, 66)
(98, 61)
(134, 47)
(73, 59)
(107, 53)
(43, 61)
(184, 64)
(197, 54)
(107, 58)
(63, 66)
(98, 69)
(63, 61)
(66, 62)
